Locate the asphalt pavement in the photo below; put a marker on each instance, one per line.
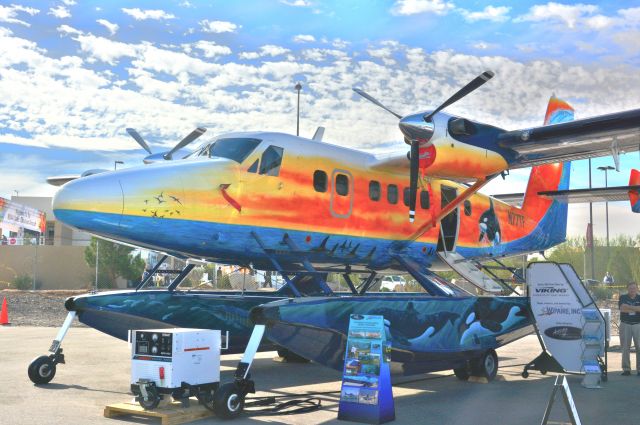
(97, 374)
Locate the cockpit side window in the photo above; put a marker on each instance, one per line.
(271, 161)
(236, 149)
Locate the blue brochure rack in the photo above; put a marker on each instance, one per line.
(366, 394)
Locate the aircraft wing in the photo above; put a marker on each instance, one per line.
(604, 135)
(577, 196)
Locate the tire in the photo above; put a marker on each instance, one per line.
(462, 373)
(154, 398)
(291, 357)
(228, 403)
(525, 374)
(486, 366)
(41, 370)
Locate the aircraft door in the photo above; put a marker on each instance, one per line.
(449, 223)
(341, 194)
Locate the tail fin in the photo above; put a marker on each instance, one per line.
(634, 195)
(549, 176)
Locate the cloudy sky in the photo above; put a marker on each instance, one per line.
(75, 74)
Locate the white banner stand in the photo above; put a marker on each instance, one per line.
(562, 385)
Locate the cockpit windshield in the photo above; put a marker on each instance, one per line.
(235, 148)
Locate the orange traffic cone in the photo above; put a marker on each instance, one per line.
(4, 314)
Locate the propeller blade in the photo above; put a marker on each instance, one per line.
(133, 133)
(374, 101)
(476, 83)
(184, 142)
(413, 178)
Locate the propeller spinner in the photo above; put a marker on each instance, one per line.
(418, 134)
(169, 154)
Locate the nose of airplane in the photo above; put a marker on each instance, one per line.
(92, 203)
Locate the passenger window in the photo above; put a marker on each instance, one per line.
(405, 196)
(392, 194)
(374, 190)
(467, 207)
(424, 200)
(271, 161)
(320, 181)
(342, 185)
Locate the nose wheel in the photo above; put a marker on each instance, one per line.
(42, 370)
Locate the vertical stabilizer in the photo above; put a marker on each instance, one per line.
(549, 176)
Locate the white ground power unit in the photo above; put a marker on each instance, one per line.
(180, 362)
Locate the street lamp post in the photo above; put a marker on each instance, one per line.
(606, 184)
(115, 164)
(593, 259)
(298, 88)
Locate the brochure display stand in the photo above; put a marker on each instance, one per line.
(366, 394)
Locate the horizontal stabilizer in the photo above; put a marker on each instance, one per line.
(577, 196)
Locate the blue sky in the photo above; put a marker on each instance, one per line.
(74, 75)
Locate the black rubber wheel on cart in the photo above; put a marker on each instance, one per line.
(486, 366)
(42, 370)
(153, 398)
(205, 397)
(462, 373)
(228, 402)
(291, 357)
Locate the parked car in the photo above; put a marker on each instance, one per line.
(390, 282)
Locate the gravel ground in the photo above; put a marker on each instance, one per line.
(37, 308)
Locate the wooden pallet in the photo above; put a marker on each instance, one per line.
(170, 414)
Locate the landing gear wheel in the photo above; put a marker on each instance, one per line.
(291, 357)
(228, 401)
(525, 374)
(42, 370)
(462, 373)
(486, 366)
(153, 398)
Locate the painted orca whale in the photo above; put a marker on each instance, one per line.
(489, 225)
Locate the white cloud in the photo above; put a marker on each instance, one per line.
(483, 45)
(59, 12)
(489, 13)
(69, 2)
(140, 15)
(339, 43)
(105, 50)
(211, 50)
(567, 14)
(304, 38)
(111, 27)
(297, 3)
(271, 50)
(218, 27)
(266, 50)
(413, 7)
(9, 14)
(67, 30)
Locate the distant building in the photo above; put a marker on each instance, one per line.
(34, 244)
(55, 232)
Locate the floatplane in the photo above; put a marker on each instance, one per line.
(303, 208)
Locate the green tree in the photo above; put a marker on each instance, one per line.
(114, 260)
